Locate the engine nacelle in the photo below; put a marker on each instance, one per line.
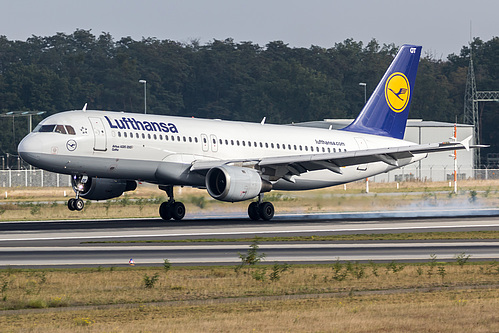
(231, 183)
(101, 188)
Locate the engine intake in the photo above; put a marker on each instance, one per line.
(231, 183)
(101, 188)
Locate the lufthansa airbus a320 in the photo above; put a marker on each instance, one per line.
(107, 153)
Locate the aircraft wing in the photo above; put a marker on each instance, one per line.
(289, 165)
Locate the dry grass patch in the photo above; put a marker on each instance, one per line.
(441, 311)
(49, 288)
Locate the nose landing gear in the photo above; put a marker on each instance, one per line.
(78, 186)
(76, 204)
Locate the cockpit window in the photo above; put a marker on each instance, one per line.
(60, 129)
(47, 128)
(70, 130)
(63, 129)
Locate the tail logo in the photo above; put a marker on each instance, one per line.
(397, 92)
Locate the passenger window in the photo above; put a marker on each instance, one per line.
(220, 141)
(301, 147)
(137, 135)
(244, 143)
(173, 138)
(178, 138)
(143, 136)
(196, 139)
(166, 137)
(231, 142)
(185, 140)
(328, 150)
(160, 137)
(155, 137)
(204, 140)
(149, 136)
(226, 142)
(124, 134)
(119, 134)
(237, 141)
(190, 139)
(272, 145)
(60, 129)
(249, 143)
(261, 145)
(70, 130)
(266, 145)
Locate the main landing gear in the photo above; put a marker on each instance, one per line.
(171, 209)
(77, 203)
(261, 210)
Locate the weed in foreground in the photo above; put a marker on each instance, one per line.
(166, 265)
(462, 258)
(150, 281)
(252, 256)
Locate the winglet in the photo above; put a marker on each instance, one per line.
(263, 120)
(466, 143)
(84, 107)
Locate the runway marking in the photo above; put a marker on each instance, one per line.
(239, 246)
(249, 232)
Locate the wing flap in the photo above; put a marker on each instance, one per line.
(298, 164)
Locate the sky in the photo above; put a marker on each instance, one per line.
(442, 27)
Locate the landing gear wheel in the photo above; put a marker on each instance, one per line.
(253, 211)
(164, 211)
(266, 211)
(78, 204)
(71, 204)
(177, 211)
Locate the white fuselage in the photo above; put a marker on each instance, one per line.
(161, 149)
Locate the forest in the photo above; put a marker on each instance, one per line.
(227, 80)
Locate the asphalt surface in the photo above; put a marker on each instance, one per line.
(69, 243)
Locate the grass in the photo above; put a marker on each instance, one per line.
(451, 235)
(305, 298)
(50, 203)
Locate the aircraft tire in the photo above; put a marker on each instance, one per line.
(266, 211)
(78, 204)
(177, 211)
(71, 204)
(165, 211)
(253, 211)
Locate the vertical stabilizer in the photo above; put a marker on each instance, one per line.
(386, 111)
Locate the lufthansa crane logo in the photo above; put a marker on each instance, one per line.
(397, 91)
(71, 145)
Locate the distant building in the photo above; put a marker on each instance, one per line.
(437, 166)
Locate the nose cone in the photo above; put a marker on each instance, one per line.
(29, 149)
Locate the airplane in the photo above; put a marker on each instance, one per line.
(107, 153)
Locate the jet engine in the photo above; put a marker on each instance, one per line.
(101, 188)
(232, 183)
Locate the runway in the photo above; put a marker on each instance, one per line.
(62, 243)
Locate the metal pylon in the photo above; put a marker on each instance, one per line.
(471, 115)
